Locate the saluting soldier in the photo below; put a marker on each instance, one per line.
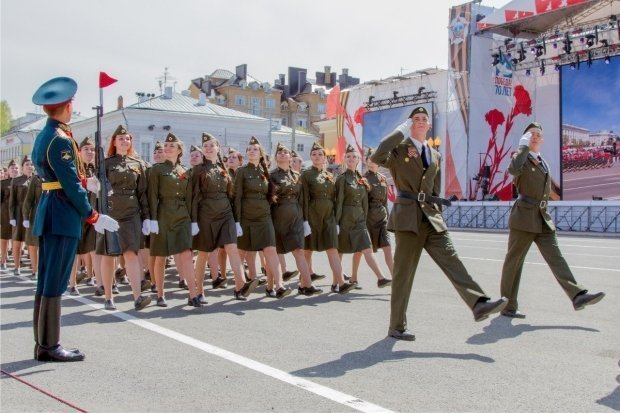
(255, 231)
(128, 204)
(58, 220)
(211, 209)
(530, 222)
(319, 195)
(288, 218)
(6, 229)
(19, 188)
(29, 209)
(418, 224)
(377, 218)
(351, 212)
(170, 205)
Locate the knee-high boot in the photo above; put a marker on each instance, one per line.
(35, 323)
(49, 333)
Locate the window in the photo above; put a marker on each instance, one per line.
(145, 151)
(302, 123)
(270, 103)
(300, 147)
(321, 108)
(240, 100)
(284, 122)
(255, 106)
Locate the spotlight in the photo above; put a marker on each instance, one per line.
(605, 42)
(495, 59)
(514, 62)
(555, 45)
(557, 67)
(395, 94)
(590, 40)
(509, 54)
(422, 88)
(573, 66)
(528, 72)
(540, 50)
(582, 40)
(533, 50)
(607, 60)
(370, 98)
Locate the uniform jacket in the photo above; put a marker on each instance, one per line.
(61, 211)
(532, 179)
(401, 157)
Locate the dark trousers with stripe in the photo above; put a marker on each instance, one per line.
(56, 256)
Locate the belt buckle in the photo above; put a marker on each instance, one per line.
(421, 197)
(543, 204)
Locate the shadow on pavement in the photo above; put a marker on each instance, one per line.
(502, 328)
(377, 353)
(15, 366)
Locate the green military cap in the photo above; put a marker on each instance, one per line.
(158, 146)
(224, 158)
(207, 137)
(419, 109)
(120, 130)
(350, 149)
(531, 126)
(316, 146)
(254, 141)
(370, 152)
(55, 91)
(171, 137)
(232, 150)
(194, 148)
(294, 154)
(87, 141)
(12, 163)
(25, 159)
(281, 147)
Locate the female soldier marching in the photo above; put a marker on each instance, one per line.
(29, 209)
(19, 188)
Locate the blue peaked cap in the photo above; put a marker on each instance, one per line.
(54, 91)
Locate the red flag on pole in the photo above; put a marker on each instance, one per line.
(105, 80)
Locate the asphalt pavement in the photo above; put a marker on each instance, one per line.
(330, 353)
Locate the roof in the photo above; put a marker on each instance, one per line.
(38, 125)
(187, 104)
(221, 74)
(529, 18)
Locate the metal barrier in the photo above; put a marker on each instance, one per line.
(570, 216)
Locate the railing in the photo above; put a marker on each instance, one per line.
(576, 216)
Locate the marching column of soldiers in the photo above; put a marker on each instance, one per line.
(234, 207)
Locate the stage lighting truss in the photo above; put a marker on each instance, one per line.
(422, 96)
(599, 40)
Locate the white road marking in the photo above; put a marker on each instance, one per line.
(320, 390)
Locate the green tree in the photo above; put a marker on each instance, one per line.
(5, 117)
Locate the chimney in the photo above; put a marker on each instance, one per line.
(282, 77)
(202, 99)
(345, 71)
(327, 71)
(168, 92)
(119, 103)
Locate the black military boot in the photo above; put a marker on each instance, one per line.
(35, 323)
(49, 334)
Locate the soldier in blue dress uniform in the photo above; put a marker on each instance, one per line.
(58, 220)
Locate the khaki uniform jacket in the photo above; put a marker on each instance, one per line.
(29, 207)
(351, 212)
(319, 195)
(377, 218)
(401, 157)
(5, 228)
(531, 179)
(287, 212)
(19, 188)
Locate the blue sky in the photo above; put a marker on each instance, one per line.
(590, 96)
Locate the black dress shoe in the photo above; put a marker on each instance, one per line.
(287, 275)
(346, 277)
(239, 295)
(309, 291)
(217, 283)
(141, 302)
(483, 309)
(145, 285)
(270, 293)
(512, 313)
(583, 299)
(401, 334)
(194, 302)
(262, 281)
(316, 277)
(183, 285)
(384, 282)
(346, 287)
(249, 287)
(58, 353)
(282, 292)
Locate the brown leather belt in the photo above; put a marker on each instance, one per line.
(423, 197)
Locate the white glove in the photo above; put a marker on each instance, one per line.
(525, 139)
(12, 222)
(195, 228)
(154, 227)
(106, 223)
(146, 227)
(405, 127)
(92, 184)
(26, 223)
(239, 229)
(338, 229)
(307, 230)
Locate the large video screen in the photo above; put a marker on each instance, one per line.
(379, 123)
(590, 128)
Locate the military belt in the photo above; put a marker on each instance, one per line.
(287, 200)
(50, 186)
(322, 197)
(123, 192)
(354, 204)
(542, 204)
(423, 197)
(216, 195)
(254, 196)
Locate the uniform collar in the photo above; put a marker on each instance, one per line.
(417, 144)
